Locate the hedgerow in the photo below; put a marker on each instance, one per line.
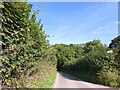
(23, 42)
(90, 57)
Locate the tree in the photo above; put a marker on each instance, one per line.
(64, 55)
(115, 42)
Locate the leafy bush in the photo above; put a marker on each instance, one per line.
(90, 57)
(108, 76)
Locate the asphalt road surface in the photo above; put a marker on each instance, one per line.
(64, 80)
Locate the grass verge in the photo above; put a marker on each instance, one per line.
(43, 76)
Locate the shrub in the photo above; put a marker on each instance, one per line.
(108, 76)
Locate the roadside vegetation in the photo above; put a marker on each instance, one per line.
(43, 78)
(92, 61)
(28, 61)
(26, 53)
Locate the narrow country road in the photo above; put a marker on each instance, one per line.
(64, 80)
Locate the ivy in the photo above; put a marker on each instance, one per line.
(23, 42)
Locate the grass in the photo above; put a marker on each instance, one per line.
(48, 81)
(43, 77)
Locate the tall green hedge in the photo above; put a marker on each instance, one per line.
(91, 57)
(23, 42)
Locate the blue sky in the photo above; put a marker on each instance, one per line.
(78, 22)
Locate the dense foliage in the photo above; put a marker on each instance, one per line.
(23, 43)
(25, 49)
(115, 42)
(90, 57)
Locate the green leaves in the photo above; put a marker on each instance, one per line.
(115, 42)
(109, 76)
(23, 41)
(89, 57)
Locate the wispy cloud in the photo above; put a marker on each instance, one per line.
(101, 28)
(80, 22)
(116, 22)
(104, 30)
(57, 36)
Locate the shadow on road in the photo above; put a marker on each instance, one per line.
(82, 84)
(67, 76)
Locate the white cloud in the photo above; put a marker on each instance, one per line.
(117, 22)
(104, 32)
(103, 28)
(98, 32)
(57, 36)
